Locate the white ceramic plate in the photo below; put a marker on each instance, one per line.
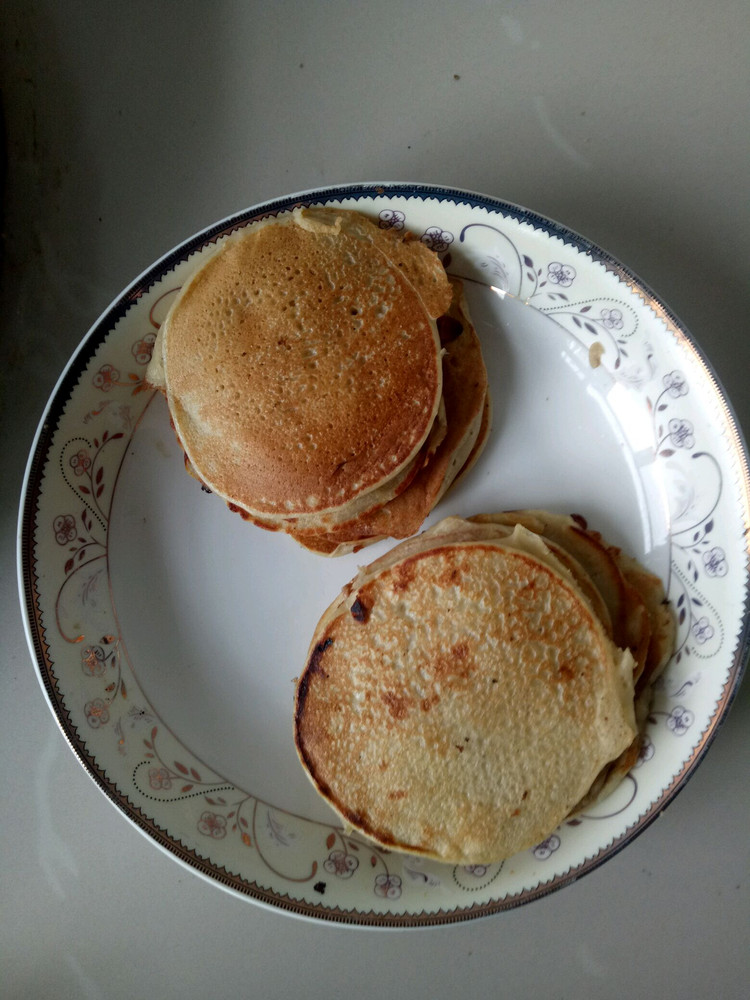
(167, 632)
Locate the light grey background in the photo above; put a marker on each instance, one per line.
(129, 127)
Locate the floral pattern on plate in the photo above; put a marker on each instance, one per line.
(269, 853)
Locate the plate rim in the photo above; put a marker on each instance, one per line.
(31, 613)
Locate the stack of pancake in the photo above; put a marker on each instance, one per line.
(480, 683)
(324, 379)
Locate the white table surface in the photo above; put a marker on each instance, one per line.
(131, 126)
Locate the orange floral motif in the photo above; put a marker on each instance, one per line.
(92, 660)
(143, 349)
(97, 713)
(80, 463)
(106, 378)
(341, 864)
(64, 527)
(388, 886)
(212, 825)
(159, 777)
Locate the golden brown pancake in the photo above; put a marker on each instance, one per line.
(420, 265)
(462, 696)
(465, 395)
(302, 368)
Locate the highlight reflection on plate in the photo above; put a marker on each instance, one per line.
(168, 632)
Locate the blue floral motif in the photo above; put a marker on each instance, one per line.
(437, 239)
(702, 630)
(479, 871)
(390, 218)
(681, 433)
(612, 319)
(561, 274)
(547, 848)
(680, 720)
(675, 384)
(715, 561)
(646, 751)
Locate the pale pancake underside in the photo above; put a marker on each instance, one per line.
(435, 643)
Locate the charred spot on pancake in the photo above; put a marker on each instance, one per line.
(317, 654)
(360, 610)
(314, 667)
(449, 329)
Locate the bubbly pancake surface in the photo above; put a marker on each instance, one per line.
(639, 616)
(460, 700)
(465, 396)
(417, 262)
(302, 369)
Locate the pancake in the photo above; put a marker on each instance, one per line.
(462, 696)
(641, 617)
(465, 395)
(629, 613)
(302, 367)
(484, 432)
(341, 518)
(420, 265)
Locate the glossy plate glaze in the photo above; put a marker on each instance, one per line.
(168, 633)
